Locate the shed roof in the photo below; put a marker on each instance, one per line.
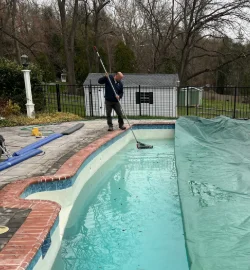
(136, 79)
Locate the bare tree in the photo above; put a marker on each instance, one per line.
(92, 20)
(179, 30)
(184, 36)
(161, 22)
(68, 32)
(16, 29)
(16, 43)
(85, 13)
(203, 19)
(5, 15)
(98, 6)
(129, 26)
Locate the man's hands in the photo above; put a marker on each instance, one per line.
(106, 74)
(118, 97)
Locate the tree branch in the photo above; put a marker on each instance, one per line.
(220, 66)
(18, 40)
(203, 49)
(101, 6)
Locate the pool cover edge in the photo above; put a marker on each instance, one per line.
(212, 161)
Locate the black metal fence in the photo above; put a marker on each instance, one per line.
(151, 102)
(63, 98)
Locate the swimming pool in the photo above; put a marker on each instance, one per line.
(214, 202)
(131, 219)
(122, 210)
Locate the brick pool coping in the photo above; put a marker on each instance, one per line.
(28, 239)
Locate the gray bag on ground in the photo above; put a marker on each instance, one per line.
(1, 145)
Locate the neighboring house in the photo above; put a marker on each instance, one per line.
(144, 95)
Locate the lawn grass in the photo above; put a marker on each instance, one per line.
(213, 104)
(40, 119)
(213, 108)
(69, 103)
(210, 108)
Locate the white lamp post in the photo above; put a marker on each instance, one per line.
(26, 73)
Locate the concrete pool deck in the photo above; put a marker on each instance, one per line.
(20, 247)
(16, 138)
(56, 152)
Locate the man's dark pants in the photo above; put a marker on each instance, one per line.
(116, 106)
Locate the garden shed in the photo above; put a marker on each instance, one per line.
(151, 95)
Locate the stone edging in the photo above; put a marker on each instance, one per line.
(25, 243)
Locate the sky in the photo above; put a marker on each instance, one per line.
(43, 1)
(232, 32)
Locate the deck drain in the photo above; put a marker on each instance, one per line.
(3, 229)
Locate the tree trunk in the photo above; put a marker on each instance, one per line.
(87, 48)
(69, 41)
(87, 38)
(98, 6)
(5, 16)
(96, 39)
(109, 55)
(16, 44)
(69, 52)
(183, 70)
(1, 41)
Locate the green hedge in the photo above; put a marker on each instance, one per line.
(12, 84)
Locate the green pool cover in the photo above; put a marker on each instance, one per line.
(213, 166)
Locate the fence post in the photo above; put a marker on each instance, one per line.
(58, 98)
(178, 98)
(187, 99)
(140, 100)
(91, 101)
(235, 96)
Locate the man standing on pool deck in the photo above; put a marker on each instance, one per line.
(111, 100)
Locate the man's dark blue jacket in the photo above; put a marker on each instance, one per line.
(109, 93)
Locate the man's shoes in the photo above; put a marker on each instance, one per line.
(111, 128)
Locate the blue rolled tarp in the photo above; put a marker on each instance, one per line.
(17, 159)
(38, 144)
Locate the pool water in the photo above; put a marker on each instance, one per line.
(132, 220)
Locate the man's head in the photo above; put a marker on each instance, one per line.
(118, 76)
